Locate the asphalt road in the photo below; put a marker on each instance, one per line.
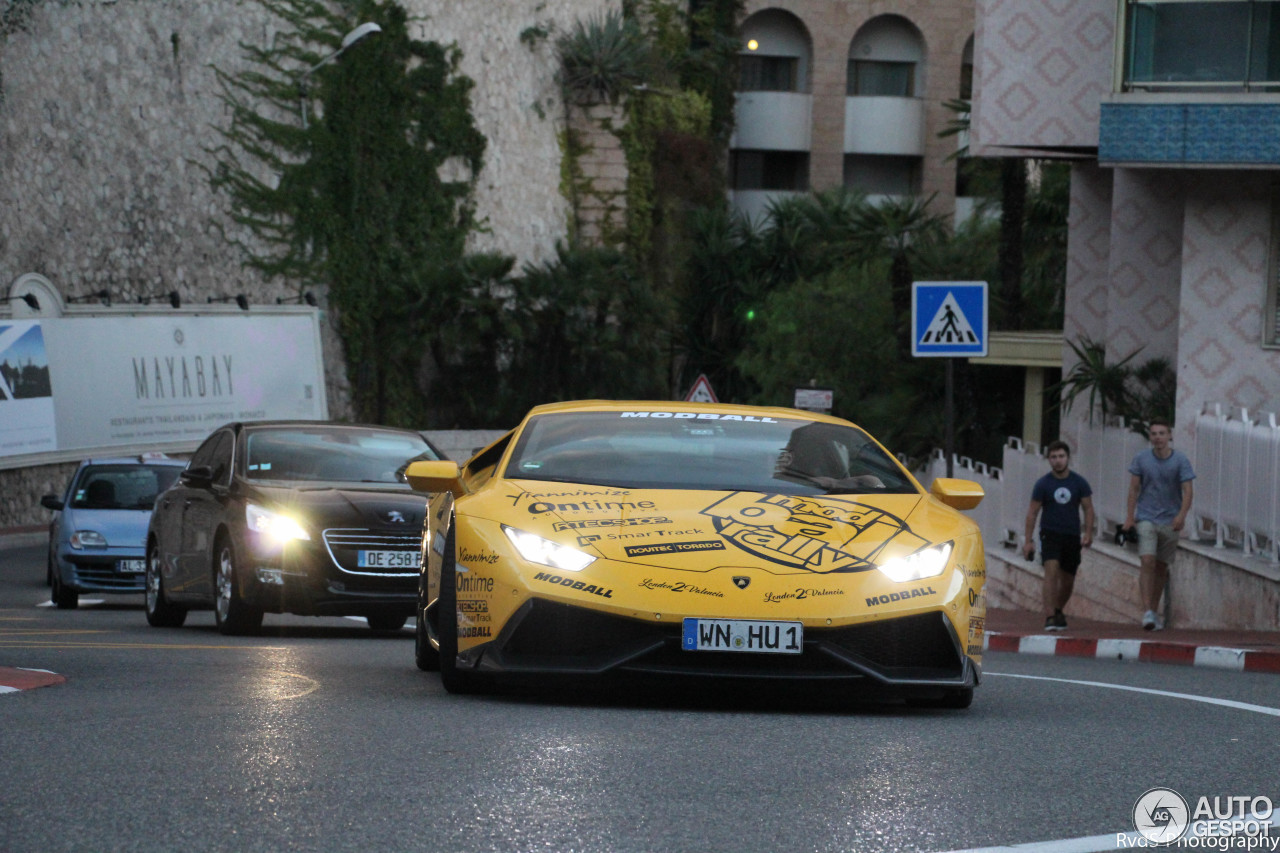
(320, 735)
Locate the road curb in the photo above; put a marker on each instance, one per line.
(1143, 651)
(15, 679)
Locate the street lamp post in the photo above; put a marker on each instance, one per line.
(366, 29)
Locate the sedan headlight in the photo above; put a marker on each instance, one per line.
(544, 552)
(926, 563)
(88, 539)
(275, 525)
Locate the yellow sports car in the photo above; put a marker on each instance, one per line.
(706, 540)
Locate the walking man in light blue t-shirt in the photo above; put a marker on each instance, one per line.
(1159, 501)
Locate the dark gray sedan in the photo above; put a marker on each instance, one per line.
(304, 517)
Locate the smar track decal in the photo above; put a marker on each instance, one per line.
(831, 536)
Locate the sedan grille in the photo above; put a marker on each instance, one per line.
(345, 544)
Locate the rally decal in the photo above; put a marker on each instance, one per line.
(834, 536)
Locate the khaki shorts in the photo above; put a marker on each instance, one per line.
(1158, 540)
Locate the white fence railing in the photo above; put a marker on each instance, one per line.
(1237, 488)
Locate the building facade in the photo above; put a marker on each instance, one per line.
(837, 93)
(1169, 111)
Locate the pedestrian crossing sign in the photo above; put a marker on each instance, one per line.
(949, 318)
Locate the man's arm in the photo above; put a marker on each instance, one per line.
(1131, 506)
(1086, 535)
(1181, 518)
(1028, 544)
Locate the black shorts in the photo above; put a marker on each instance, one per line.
(1063, 547)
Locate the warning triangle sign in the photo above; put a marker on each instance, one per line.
(701, 391)
(949, 325)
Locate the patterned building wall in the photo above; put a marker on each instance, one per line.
(945, 27)
(1145, 265)
(1087, 283)
(1225, 244)
(1088, 253)
(105, 106)
(1041, 70)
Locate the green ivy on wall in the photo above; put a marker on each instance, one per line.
(357, 199)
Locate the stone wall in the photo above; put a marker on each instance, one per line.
(1208, 588)
(106, 107)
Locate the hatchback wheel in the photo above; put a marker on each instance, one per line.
(64, 596)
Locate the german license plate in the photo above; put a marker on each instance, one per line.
(743, 635)
(131, 567)
(387, 559)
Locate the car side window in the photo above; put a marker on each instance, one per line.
(220, 461)
(203, 457)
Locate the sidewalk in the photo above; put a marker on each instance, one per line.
(1023, 631)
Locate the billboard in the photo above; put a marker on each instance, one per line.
(71, 387)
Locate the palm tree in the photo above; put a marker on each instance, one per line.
(1013, 203)
(897, 227)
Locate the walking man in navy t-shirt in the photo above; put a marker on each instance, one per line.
(1061, 493)
(1159, 500)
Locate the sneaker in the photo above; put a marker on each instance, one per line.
(1059, 621)
(1149, 620)
(1159, 623)
(1050, 623)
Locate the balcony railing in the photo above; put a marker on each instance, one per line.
(1237, 488)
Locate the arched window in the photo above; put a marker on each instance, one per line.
(776, 53)
(884, 58)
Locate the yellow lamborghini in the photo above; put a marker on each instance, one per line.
(701, 540)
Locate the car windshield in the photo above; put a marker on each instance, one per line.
(704, 450)
(342, 454)
(122, 486)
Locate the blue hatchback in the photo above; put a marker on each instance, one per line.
(97, 539)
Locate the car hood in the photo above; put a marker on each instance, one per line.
(122, 528)
(346, 505)
(706, 530)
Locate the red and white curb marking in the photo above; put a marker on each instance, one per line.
(1145, 651)
(15, 679)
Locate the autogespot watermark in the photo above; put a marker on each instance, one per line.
(1163, 818)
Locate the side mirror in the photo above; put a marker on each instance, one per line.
(957, 494)
(200, 476)
(435, 476)
(51, 502)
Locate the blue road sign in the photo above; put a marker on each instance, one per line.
(949, 318)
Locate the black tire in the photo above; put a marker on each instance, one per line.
(160, 613)
(230, 611)
(386, 622)
(64, 596)
(455, 680)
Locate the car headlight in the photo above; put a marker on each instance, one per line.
(274, 525)
(88, 539)
(926, 563)
(544, 552)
